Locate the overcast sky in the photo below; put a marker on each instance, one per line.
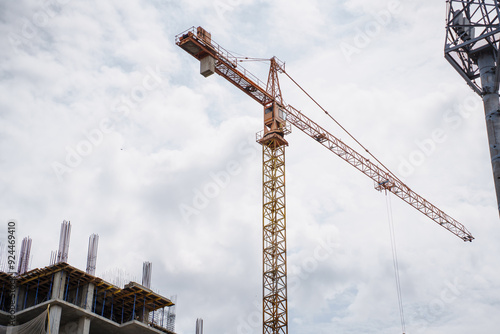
(106, 123)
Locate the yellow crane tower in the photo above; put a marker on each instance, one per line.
(277, 119)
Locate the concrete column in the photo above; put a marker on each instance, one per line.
(88, 297)
(83, 326)
(491, 102)
(87, 302)
(57, 293)
(58, 285)
(55, 319)
(20, 293)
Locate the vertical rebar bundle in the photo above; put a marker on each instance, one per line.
(199, 326)
(62, 254)
(53, 258)
(171, 315)
(146, 274)
(118, 277)
(24, 256)
(92, 254)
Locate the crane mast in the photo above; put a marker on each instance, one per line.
(277, 119)
(472, 48)
(274, 284)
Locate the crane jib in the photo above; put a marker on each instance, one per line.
(383, 180)
(199, 44)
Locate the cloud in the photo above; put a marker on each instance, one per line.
(101, 89)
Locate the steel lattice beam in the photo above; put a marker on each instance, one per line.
(202, 48)
(383, 179)
(472, 26)
(274, 239)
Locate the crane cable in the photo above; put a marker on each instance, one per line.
(388, 202)
(344, 129)
(389, 208)
(395, 262)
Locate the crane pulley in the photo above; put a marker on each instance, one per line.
(278, 116)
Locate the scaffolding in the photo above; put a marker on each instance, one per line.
(171, 315)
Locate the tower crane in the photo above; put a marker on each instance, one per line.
(471, 47)
(278, 118)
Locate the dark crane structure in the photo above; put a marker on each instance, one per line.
(471, 47)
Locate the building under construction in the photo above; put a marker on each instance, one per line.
(61, 299)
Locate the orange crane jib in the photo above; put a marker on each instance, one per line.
(199, 45)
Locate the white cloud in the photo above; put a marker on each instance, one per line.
(175, 136)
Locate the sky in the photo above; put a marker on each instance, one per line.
(106, 123)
